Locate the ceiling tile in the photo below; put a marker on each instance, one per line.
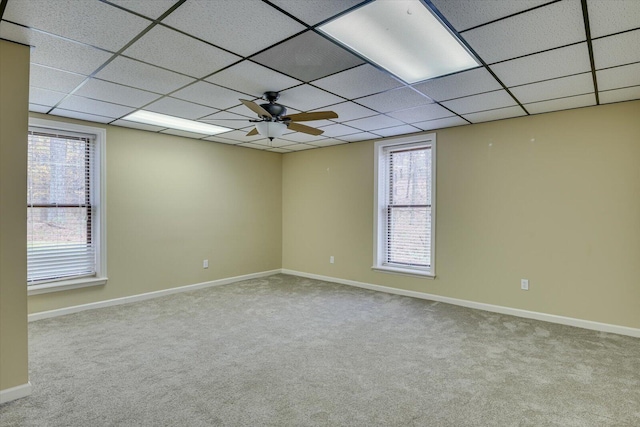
(359, 81)
(306, 98)
(398, 130)
(466, 83)
(556, 88)
(101, 108)
(312, 12)
(338, 130)
(307, 57)
(242, 26)
(54, 51)
(38, 108)
(543, 66)
(350, 111)
(216, 138)
(397, 99)
(80, 116)
(228, 120)
(118, 94)
(329, 142)
(251, 78)
(608, 17)
(183, 133)
(300, 137)
(279, 150)
(618, 95)
(238, 135)
(135, 125)
(500, 113)
(276, 143)
(168, 48)
(179, 108)
(102, 26)
(482, 102)
(150, 8)
(45, 96)
(551, 26)
(53, 79)
(364, 136)
(441, 123)
(614, 78)
(561, 104)
(299, 147)
(209, 94)
(464, 14)
(254, 146)
(420, 114)
(376, 122)
(617, 50)
(139, 75)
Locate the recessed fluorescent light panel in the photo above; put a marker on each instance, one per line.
(402, 36)
(163, 120)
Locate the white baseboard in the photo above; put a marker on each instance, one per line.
(141, 297)
(13, 393)
(580, 323)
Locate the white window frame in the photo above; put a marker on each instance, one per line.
(379, 207)
(99, 186)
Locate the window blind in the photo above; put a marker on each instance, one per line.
(59, 206)
(408, 207)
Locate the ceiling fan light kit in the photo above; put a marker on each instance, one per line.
(271, 129)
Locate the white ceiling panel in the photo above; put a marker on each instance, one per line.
(441, 123)
(306, 98)
(252, 78)
(617, 50)
(183, 133)
(561, 104)
(38, 108)
(238, 135)
(618, 95)
(101, 108)
(542, 66)
(118, 94)
(328, 143)
(216, 138)
(501, 113)
(350, 111)
(337, 130)
(152, 9)
(614, 78)
(299, 147)
(422, 113)
(396, 99)
(209, 94)
(357, 82)
(242, 26)
(375, 122)
(50, 78)
(300, 137)
(170, 49)
(467, 83)
(484, 101)
(54, 51)
(255, 146)
(228, 120)
(278, 150)
(612, 16)
(552, 26)
(102, 25)
(364, 136)
(395, 131)
(312, 12)
(135, 125)
(81, 116)
(137, 74)
(179, 108)
(557, 88)
(44, 96)
(464, 14)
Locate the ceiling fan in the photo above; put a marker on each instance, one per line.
(273, 119)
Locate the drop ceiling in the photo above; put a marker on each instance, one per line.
(100, 60)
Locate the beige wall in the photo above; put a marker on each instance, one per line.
(14, 104)
(554, 198)
(173, 202)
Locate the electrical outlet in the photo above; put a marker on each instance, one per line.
(331, 259)
(524, 284)
(205, 263)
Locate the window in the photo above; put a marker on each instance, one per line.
(405, 205)
(65, 206)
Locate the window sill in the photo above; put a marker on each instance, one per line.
(404, 271)
(65, 285)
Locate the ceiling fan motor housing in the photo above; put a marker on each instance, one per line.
(276, 110)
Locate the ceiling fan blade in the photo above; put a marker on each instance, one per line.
(256, 108)
(252, 132)
(306, 117)
(305, 129)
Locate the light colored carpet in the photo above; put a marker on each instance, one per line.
(289, 351)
